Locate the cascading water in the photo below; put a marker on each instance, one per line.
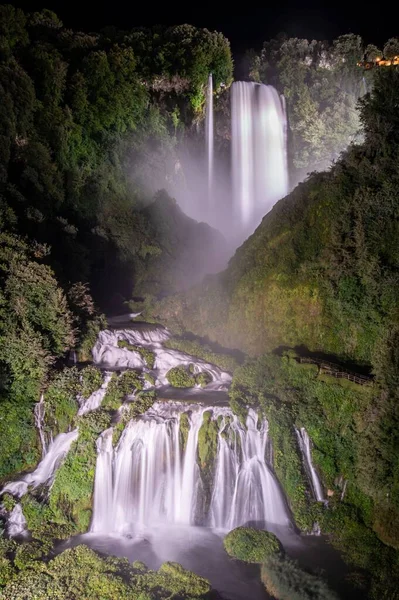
(209, 135)
(305, 446)
(44, 472)
(95, 399)
(259, 163)
(16, 522)
(108, 354)
(39, 411)
(155, 481)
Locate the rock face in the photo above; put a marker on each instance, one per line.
(188, 250)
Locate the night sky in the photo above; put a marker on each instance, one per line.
(246, 28)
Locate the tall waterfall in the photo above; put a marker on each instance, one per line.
(259, 165)
(304, 444)
(209, 138)
(153, 477)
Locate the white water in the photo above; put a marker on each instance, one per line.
(107, 353)
(155, 482)
(259, 163)
(305, 446)
(39, 422)
(209, 135)
(95, 399)
(44, 472)
(245, 489)
(16, 522)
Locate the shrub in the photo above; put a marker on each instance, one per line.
(251, 545)
(284, 580)
(203, 378)
(180, 377)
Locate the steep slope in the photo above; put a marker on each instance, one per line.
(322, 268)
(186, 250)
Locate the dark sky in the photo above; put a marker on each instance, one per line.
(247, 26)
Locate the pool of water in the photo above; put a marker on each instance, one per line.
(200, 550)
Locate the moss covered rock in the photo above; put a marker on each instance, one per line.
(251, 545)
(180, 377)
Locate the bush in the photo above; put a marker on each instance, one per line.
(284, 580)
(203, 378)
(180, 377)
(251, 545)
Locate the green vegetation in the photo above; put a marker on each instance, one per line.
(207, 451)
(203, 378)
(184, 428)
(148, 356)
(283, 579)
(321, 270)
(180, 377)
(120, 386)
(225, 362)
(348, 446)
(251, 545)
(80, 573)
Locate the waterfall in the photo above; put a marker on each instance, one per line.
(95, 399)
(103, 483)
(44, 472)
(305, 446)
(259, 164)
(107, 354)
(245, 489)
(155, 481)
(39, 422)
(209, 138)
(16, 522)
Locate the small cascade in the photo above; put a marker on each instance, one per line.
(245, 488)
(39, 422)
(209, 138)
(16, 522)
(44, 472)
(305, 446)
(156, 481)
(103, 504)
(259, 161)
(107, 354)
(94, 401)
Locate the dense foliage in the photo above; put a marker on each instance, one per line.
(87, 122)
(321, 83)
(251, 545)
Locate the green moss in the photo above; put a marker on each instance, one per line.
(184, 428)
(148, 355)
(283, 579)
(251, 545)
(180, 377)
(207, 452)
